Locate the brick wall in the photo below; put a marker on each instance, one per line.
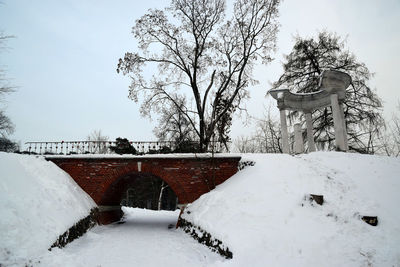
(104, 179)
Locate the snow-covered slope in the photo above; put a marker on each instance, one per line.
(265, 218)
(38, 202)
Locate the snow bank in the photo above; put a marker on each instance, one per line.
(38, 202)
(265, 218)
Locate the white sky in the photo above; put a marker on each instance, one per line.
(65, 53)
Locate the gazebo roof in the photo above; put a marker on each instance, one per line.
(331, 82)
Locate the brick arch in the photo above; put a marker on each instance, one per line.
(118, 187)
(188, 176)
(177, 185)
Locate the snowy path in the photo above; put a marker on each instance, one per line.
(143, 240)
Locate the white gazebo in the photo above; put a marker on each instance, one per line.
(331, 92)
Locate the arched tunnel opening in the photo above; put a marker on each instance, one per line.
(138, 190)
(149, 193)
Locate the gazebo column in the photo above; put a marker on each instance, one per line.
(346, 144)
(310, 134)
(284, 132)
(298, 139)
(339, 124)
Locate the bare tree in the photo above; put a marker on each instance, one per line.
(201, 54)
(174, 126)
(5, 87)
(160, 195)
(245, 144)
(395, 129)
(362, 107)
(390, 142)
(265, 139)
(6, 126)
(100, 142)
(7, 145)
(268, 136)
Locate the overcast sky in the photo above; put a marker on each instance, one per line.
(65, 53)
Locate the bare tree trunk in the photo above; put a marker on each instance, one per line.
(163, 186)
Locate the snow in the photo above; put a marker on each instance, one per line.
(265, 218)
(143, 240)
(263, 214)
(38, 202)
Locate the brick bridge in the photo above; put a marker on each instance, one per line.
(107, 178)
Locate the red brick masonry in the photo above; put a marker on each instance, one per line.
(104, 179)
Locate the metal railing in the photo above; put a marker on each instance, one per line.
(104, 147)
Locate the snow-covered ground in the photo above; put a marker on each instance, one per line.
(143, 240)
(263, 215)
(38, 202)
